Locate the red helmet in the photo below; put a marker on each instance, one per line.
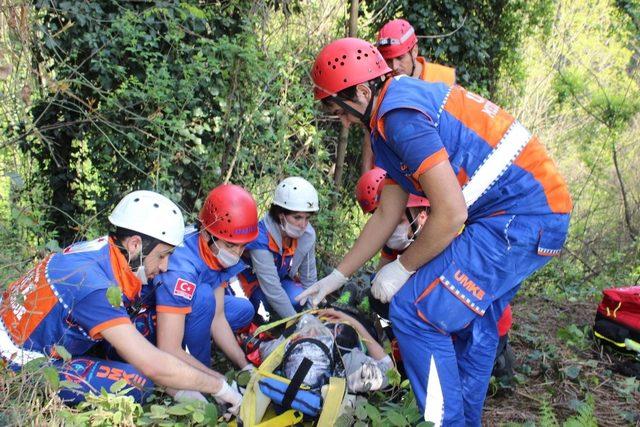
(230, 213)
(344, 63)
(417, 201)
(368, 189)
(396, 38)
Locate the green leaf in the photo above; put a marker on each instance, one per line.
(372, 412)
(35, 364)
(211, 414)
(178, 410)
(114, 296)
(425, 424)
(62, 352)
(117, 386)
(198, 417)
(193, 10)
(572, 371)
(361, 412)
(51, 374)
(396, 418)
(394, 377)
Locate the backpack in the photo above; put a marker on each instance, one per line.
(618, 318)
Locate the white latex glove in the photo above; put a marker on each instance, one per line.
(228, 396)
(248, 368)
(319, 290)
(389, 280)
(187, 395)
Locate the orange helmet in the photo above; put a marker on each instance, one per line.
(417, 201)
(344, 63)
(369, 187)
(396, 38)
(230, 213)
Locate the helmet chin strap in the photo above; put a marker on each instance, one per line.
(413, 65)
(365, 118)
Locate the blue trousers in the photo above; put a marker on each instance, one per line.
(292, 288)
(463, 291)
(197, 328)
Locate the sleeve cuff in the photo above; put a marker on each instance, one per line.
(170, 309)
(94, 333)
(437, 157)
(389, 256)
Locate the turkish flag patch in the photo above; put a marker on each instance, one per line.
(184, 289)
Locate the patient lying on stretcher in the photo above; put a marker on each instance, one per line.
(333, 344)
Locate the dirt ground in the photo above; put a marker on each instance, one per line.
(561, 370)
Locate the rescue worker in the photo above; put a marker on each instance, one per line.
(478, 167)
(368, 190)
(398, 45)
(191, 303)
(66, 302)
(282, 258)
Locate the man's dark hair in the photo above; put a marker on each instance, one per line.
(349, 94)
(148, 242)
(275, 211)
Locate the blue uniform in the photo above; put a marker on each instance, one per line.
(278, 272)
(63, 301)
(188, 286)
(515, 223)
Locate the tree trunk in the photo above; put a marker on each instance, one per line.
(625, 203)
(344, 132)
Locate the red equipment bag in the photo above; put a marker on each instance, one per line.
(618, 317)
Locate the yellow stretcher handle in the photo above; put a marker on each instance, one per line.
(289, 418)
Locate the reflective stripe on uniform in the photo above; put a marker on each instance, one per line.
(12, 353)
(496, 163)
(434, 403)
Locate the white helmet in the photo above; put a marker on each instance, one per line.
(296, 194)
(150, 213)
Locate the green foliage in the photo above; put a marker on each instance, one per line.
(585, 417)
(115, 408)
(175, 97)
(572, 335)
(547, 416)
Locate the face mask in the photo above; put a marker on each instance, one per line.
(226, 258)
(399, 240)
(142, 275)
(290, 229)
(140, 272)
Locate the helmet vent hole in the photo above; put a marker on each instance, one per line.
(358, 58)
(334, 67)
(164, 232)
(359, 50)
(366, 55)
(155, 205)
(174, 212)
(344, 56)
(345, 80)
(328, 62)
(137, 199)
(342, 64)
